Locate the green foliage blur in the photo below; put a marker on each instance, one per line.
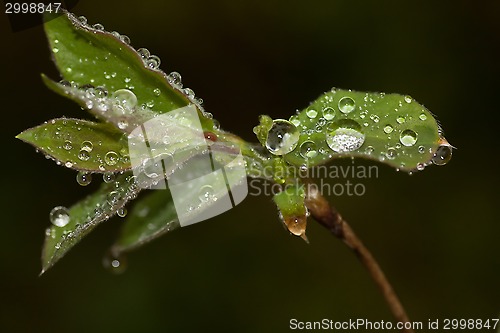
(435, 233)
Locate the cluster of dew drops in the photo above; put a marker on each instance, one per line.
(120, 103)
(344, 135)
(123, 102)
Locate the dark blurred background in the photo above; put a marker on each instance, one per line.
(436, 233)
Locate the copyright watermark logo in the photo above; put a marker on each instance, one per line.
(171, 151)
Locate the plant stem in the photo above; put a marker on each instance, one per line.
(329, 218)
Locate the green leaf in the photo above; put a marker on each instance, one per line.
(390, 128)
(150, 218)
(293, 212)
(89, 56)
(86, 215)
(80, 144)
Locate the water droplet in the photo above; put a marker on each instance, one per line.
(369, 150)
(67, 145)
(311, 113)
(420, 166)
(189, 93)
(175, 79)
(374, 118)
(122, 124)
(59, 216)
(125, 39)
(114, 263)
(144, 53)
(346, 105)
(344, 136)
(126, 98)
(408, 137)
(308, 149)
(55, 49)
(391, 153)
(400, 120)
(151, 168)
(295, 120)
(422, 116)
(328, 113)
(388, 129)
(83, 178)
(98, 26)
(87, 146)
(108, 177)
(111, 158)
(84, 155)
(89, 104)
(82, 19)
(408, 99)
(68, 164)
(127, 80)
(421, 149)
(282, 138)
(122, 212)
(100, 92)
(442, 155)
(153, 62)
(157, 92)
(206, 193)
(113, 197)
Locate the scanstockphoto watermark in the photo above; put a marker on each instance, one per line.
(329, 180)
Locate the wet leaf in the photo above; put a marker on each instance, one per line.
(85, 216)
(390, 128)
(291, 205)
(80, 144)
(90, 56)
(150, 218)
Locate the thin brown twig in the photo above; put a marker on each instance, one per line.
(328, 217)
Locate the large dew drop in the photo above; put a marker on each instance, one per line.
(282, 137)
(59, 216)
(328, 113)
(175, 79)
(108, 177)
(442, 155)
(345, 136)
(83, 178)
(408, 138)
(125, 98)
(311, 113)
(346, 105)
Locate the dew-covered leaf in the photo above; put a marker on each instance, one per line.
(390, 128)
(71, 225)
(150, 218)
(88, 55)
(80, 144)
